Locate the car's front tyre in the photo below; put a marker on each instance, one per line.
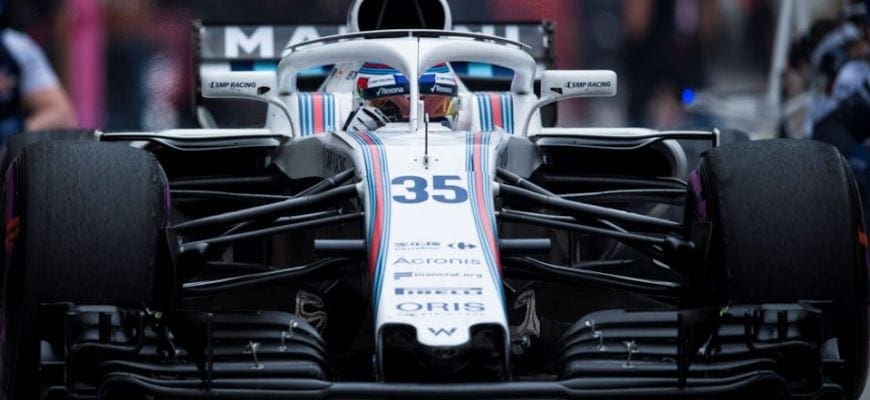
(84, 223)
(785, 224)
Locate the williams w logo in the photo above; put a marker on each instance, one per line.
(439, 331)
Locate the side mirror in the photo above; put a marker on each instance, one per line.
(251, 85)
(562, 84)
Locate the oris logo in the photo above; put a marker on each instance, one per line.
(441, 306)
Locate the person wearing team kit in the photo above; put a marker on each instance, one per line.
(386, 89)
(31, 97)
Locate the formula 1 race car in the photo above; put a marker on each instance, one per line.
(397, 235)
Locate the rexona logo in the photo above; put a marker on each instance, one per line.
(433, 306)
(441, 291)
(232, 85)
(442, 89)
(436, 261)
(388, 91)
(440, 331)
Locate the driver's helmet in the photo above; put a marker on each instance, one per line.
(386, 89)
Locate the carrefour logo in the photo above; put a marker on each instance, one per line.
(461, 245)
(431, 245)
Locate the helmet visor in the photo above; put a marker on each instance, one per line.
(398, 108)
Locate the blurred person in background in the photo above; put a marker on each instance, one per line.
(128, 53)
(31, 97)
(841, 70)
(842, 62)
(799, 86)
(836, 61)
(664, 56)
(148, 64)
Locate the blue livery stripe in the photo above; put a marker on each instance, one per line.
(303, 113)
(507, 112)
(241, 65)
(265, 65)
(372, 148)
(307, 117)
(487, 118)
(485, 182)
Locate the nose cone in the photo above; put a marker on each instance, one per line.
(482, 357)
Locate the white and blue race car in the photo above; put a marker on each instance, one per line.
(396, 234)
